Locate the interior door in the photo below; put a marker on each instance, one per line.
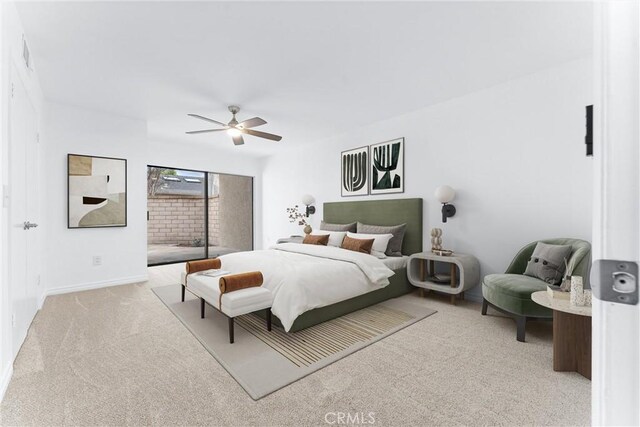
(23, 193)
(616, 231)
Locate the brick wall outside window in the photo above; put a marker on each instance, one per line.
(180, 220)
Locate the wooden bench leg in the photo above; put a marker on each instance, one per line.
(231, 330)
(202, 308)
(183, 289)
(268, 319)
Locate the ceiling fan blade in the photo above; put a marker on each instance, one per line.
(252, 123)
(207, 119)
(238, 139)
(191, 132)
(262, 134)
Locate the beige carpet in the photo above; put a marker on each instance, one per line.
(263, 362)
(117, 356)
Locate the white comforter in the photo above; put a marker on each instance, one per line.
(304, 277)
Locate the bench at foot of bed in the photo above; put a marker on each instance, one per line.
(232, 304)
(267, 315)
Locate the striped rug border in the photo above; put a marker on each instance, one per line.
(309, 346)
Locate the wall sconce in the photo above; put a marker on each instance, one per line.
(446, 194)
(308, 200)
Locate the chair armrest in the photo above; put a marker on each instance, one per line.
(583, 266)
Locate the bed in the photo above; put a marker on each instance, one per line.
(378, 212)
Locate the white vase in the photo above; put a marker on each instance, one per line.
(587, 298)
(577, 292)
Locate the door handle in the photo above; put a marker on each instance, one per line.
(28, 225)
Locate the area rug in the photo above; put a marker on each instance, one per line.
(263, 362)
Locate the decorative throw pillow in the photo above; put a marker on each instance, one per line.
(395, 244)
(380, 242)
(311, 239)
(335, 237)
(547, 262)
(357, 245)
(338, 227)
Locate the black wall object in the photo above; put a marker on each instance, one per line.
(310, 210)
(447, 211)
(588, 138)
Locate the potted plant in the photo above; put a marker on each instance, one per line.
(296, 216)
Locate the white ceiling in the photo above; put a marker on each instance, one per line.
(311, 70)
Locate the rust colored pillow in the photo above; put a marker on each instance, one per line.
(205, 264)
(357, 245)
(235, 282)
(316, 240)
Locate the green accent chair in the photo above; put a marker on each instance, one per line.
(510, 293)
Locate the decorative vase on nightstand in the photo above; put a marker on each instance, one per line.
(436, 239)
(307, 229)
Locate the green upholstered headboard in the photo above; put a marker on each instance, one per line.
(382, 212)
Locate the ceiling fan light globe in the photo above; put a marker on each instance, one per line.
(234, 132)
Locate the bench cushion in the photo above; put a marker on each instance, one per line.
(234, 303)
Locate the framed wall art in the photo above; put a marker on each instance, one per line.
(354, 172)
(97, 191)
(387, 167)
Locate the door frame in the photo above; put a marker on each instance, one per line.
(616, 213)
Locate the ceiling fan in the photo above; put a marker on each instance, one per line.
(236, 129)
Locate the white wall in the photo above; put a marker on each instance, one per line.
(514, 153)
(11, 38)
(207, 157)
(70, 252)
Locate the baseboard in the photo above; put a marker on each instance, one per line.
(96, 285)
(472, 296)
(41, 301)
(6, 378)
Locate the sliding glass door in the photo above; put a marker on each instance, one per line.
(195, 215)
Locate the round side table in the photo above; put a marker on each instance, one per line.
(571, 334)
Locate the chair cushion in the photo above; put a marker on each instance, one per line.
(512, 293)
(234, 303)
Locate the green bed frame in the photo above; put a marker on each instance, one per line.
(378, 212)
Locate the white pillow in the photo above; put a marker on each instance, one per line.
(335, 237)
(380, 242)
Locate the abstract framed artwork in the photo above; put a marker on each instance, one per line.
(387, 167)
(354, 172)
(96, 191)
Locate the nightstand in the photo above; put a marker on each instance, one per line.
(290, 239)
(464, 273)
